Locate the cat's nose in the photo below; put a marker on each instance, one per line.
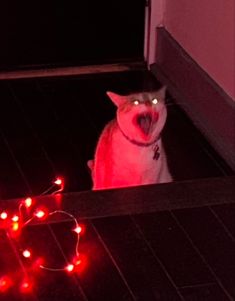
(148, 103)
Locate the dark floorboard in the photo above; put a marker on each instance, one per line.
(169, 242)
(225, 214)
(210, 292)
(139, 265)
(212, 242)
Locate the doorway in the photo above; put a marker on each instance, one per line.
(41, 33)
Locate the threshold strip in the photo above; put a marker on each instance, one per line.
(72, 70)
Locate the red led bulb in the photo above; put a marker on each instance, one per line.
(28, 202)
(26, 286)
(41, 213)
(78, 229)
(3, 215)
(15, 218)
(26, 253)
(59, 182)
(69, 268)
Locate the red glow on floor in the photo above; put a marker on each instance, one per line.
(77, 261)
(5, 284)
(58, 199)
(15, 226)
(80, 262)
(36, 266)
(14, 229)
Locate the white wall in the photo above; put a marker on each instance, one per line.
(206, 30)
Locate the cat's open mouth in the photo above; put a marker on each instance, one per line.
(145, 121)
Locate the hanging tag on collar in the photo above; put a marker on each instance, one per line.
(156, 153)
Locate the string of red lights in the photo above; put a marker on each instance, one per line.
(13, 224)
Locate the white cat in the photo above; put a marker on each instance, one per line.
(130, 151)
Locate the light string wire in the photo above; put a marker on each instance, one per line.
(39, 214)
(69, 266)
(77, 229)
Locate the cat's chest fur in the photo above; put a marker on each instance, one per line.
(140, 158)
(129, 151)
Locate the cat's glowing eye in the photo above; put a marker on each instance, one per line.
(155, 101)
(136, 102)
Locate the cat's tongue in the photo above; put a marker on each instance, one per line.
(145, 121)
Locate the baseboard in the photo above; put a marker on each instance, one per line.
(207, 105)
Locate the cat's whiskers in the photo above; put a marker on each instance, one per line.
(171, 103)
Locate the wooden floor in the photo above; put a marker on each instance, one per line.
(49, 127)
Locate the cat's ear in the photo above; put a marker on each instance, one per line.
(116, 98)
(162, 92)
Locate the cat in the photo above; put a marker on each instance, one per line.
(129, 151)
